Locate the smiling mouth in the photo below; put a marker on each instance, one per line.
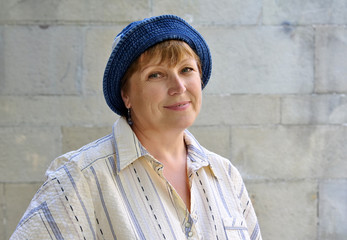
(178, 106)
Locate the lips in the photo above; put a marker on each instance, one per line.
(180, 106)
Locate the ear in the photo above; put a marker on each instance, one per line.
(126, 99)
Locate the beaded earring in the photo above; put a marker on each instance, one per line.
(130, 121)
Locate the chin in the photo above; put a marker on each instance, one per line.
(184, 123)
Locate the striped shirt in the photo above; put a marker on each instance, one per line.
(114, 189)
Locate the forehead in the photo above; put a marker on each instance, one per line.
(170, 52)
(146, 60)
(156, 65)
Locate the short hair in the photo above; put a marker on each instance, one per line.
(169, 51)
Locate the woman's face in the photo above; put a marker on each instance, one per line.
(163, 97)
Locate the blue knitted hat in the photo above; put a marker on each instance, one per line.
(135, 39)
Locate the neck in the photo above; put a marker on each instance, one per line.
(166, 146)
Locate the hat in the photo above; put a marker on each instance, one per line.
(135, 39)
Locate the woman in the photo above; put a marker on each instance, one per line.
(150, 178)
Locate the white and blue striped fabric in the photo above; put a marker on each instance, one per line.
(114, 189)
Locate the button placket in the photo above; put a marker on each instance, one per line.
(188, 227)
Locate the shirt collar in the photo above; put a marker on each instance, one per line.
(128, 148)
(197, 154)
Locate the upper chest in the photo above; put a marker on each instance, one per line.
(150, 205)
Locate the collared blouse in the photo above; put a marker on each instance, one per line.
(114, 189)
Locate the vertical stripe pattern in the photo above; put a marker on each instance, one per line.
(115, 188)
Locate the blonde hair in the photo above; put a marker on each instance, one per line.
(170, 52)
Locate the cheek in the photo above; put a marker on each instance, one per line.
(148, 96)
(199, 102)
(196, 90)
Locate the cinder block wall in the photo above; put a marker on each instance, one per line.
(276, 105)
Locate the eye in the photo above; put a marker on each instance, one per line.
(155, 75)
(187, 69)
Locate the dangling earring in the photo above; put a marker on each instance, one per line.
(130, 121)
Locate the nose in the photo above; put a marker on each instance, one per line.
(177, 85)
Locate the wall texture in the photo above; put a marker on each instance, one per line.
(276, 105)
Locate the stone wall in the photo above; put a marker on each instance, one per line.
(276, 104)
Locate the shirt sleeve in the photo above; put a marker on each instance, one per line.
(61, 209)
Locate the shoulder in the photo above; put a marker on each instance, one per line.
(69, 174)
(85, 156)
(66, 194)
(224, 169)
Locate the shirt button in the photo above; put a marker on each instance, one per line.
(190, 234)
(188, 225)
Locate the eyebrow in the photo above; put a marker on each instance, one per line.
(188, 59)
(149, 66)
